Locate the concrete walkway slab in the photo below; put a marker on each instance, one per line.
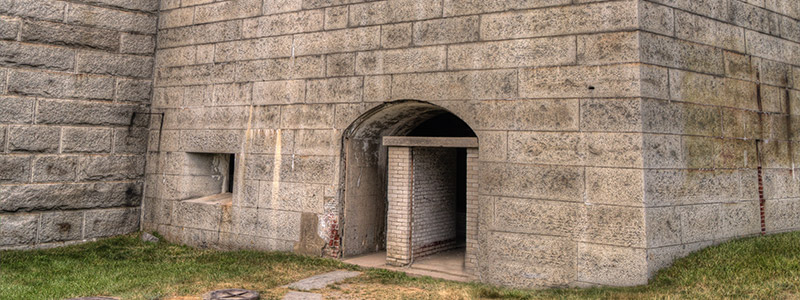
(323, 280)
(301, 296)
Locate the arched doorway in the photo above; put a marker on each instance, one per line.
(434, 148)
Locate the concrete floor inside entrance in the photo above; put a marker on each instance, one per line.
(446, 265)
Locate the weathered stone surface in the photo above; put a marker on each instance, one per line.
(455, 85)
(15, 169)
(334, 90)
(42, 139)
(60, 85)
(111, 18)
(86, 140)
(115, 64)
(16, 110)
(447, 31)
(18, 229)
(574, 19)
(282, 24)
(614, 186)
(536, 216)
(705, 89)
(321, 281)
(601, 81)
(292, 295)
(61, 226)
(608, 48)
(45, 9)
(611, 265)
(427, 59)
(134, 90)
(111, 222)
(84, 113)
(9, 28)
(69, 196)
(55, 168)
(37, 56)
(254, 49)
(110, 168)
(674, 53)
(531, 181)
(345, 40)
(70, 35)
(514, 53)
(381, 12)
(615, 225)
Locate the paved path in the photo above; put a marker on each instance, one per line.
(315, 283)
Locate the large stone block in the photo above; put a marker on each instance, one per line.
(770, 47)
(675, 53)
(37, 56)
(782, 215)
(196, 74)
(556, 148)
(299, 197)
(682, 187)
(232, 94)
(710, 90)
(501, 84)
(109, 168)
(513, 54)
(61, 226)
(469, 7)
(611, 265)
(279, 6)
(563, 20)
(137, 43)
(710, 32)
(307, 169)
(271, 47)
(316, 142)
(447, 31)
(551, 218)
(335, 90)
(130, 140)
(606, 48)
(42, 139)
(9, 28)
(739, 219)
(426, 59)
(345, 40)
(699, 222)
(70, 35)
(69, 196)
(15, 169)
(60, 85)
(200, 34)
(532, 181)
(114, 64)
(615, 186)
(134, 90)
(86, 113)
(228, 10)
(619, 115)
(115, 19)
(523, 260)
(212, 141)
(277, 224)
(751, 15)
(143, 5)
(198, 215)
(593, 82)
(55, 168)
(94, 140)
(614, 225)
(663, 226)
(319, 116)
(176, 17)
(37, 9)
(656, 18)
(395, 11)
(16, 110)
(111, 222)
(281, 69)
(282, 24)
(18, 229)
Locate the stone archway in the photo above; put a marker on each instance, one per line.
(363, 188)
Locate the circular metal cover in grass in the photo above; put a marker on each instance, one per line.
(231, 294)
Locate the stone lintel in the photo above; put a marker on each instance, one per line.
(424, 141)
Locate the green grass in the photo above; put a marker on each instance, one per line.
(762, 267)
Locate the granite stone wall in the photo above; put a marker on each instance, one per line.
(75, 78)
(614, 136)
(721, 143)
